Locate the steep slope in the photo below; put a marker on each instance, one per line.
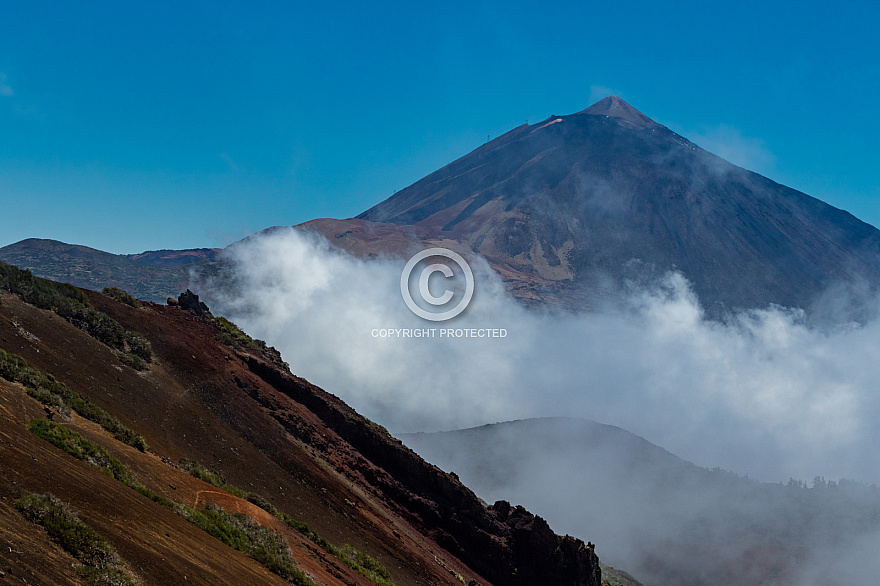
(160, 546)
(235, 410)
(660, 517)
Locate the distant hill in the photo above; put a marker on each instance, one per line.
(662, 518)
(150, 276)
(174, 258)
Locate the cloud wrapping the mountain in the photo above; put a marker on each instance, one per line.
(729, 143)
(764, 394)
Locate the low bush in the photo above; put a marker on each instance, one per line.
(240, 532)
(74, 536)
(364, 565)
(49, 391)
(79, 447)
(102, 566)
(358, 561)
(231, 335)
(73, 305)
(40, 292)
(132, 361)
(139, 346)
(211, 477)
(122, 296)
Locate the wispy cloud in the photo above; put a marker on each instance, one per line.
(5, 88)
(597, 92)
(729, 143)
(229, 161)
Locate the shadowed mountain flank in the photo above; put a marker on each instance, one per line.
(574, 206)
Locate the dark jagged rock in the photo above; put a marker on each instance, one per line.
(189, 301)
(542, 556)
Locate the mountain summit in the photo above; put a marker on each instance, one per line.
(615, 107)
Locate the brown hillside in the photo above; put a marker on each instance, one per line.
(267, 432)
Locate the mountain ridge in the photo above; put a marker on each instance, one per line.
(573, 201)
(150, 275)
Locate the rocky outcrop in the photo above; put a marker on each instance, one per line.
(542, 556)
(507, 545)
(189, 301)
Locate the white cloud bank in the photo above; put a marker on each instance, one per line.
(765, 394)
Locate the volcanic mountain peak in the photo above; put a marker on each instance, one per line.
(616, 107)
(568, 212)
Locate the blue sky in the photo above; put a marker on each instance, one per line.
(132, 127)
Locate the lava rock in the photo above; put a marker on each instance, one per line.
(190, 302)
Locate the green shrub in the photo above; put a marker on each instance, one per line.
(73, 305)
(49, 391)
(122, 296)
(62, 524)
(106, 576)
(76, 538)
(79, 447)
(98, 325)
(364, 565)
(240, 532)
(139, 346)
(211, 477)
(234, 336)
(231, 335)
(40, 292)
(358, 561)
(132, 361)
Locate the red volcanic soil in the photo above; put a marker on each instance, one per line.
(365, 239)
(156, 544)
